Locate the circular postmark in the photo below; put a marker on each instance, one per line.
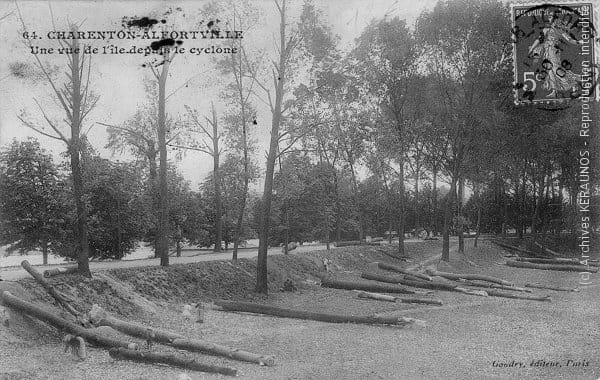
(553, 52)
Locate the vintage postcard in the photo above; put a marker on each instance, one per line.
(299, 189)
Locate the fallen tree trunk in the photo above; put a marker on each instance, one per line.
(392, 255)
(395, 268)
(558, 267)
(494, 286)
(301, 314)
(434, 285)
(169, 359)
(517, 249)
(60, 271)
(558, 260)
(468, 276)
(37, 312)
(556, 288)
(370, 287)
(101, 318)
(449, 287)
(58, 296)
(348, 243)
(497, 293)
(546, 249)
(384, 297)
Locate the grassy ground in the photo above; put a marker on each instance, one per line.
(467, 338)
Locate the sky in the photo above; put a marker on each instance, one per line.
(118, 79)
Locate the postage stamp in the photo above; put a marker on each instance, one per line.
(553, 51)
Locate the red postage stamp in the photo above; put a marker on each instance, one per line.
(553, 52)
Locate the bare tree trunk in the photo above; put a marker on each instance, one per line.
(45, 252)
(217, 182)
(163, 219)
(240, 218)
(401, 219)
(478, 226)
(151, 155)
(448, 209)
(434, 203)
(279, 79)
(75, 148)
(356, 198)
(459, 204)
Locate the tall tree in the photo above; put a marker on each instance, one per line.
(464, 43)
(280, 71)
(209, 143)
(386, 56)
(33, 213)
(77, 101)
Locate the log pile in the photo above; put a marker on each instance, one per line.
(449, 287)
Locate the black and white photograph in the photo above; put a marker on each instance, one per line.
(299, 189)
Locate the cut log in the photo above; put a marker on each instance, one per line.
(348, 243)
(494, 286)
(374, 296)
(558, 260)
(558, 267)
(401, 258)
(249, 307)
(404, 271)
(60, 271)
(101, 318)
(169, 359)
(384, 297)
(468, 276)
(434, 285)
(448, 287)
(497, 293)
(546, 249)
(556, 288)
(517, 249)
(368, 286)
(45, 316)
(58, 296)
(472, 292)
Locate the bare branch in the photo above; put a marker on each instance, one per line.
(62, 137)
(31, 126)
(191, 148)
